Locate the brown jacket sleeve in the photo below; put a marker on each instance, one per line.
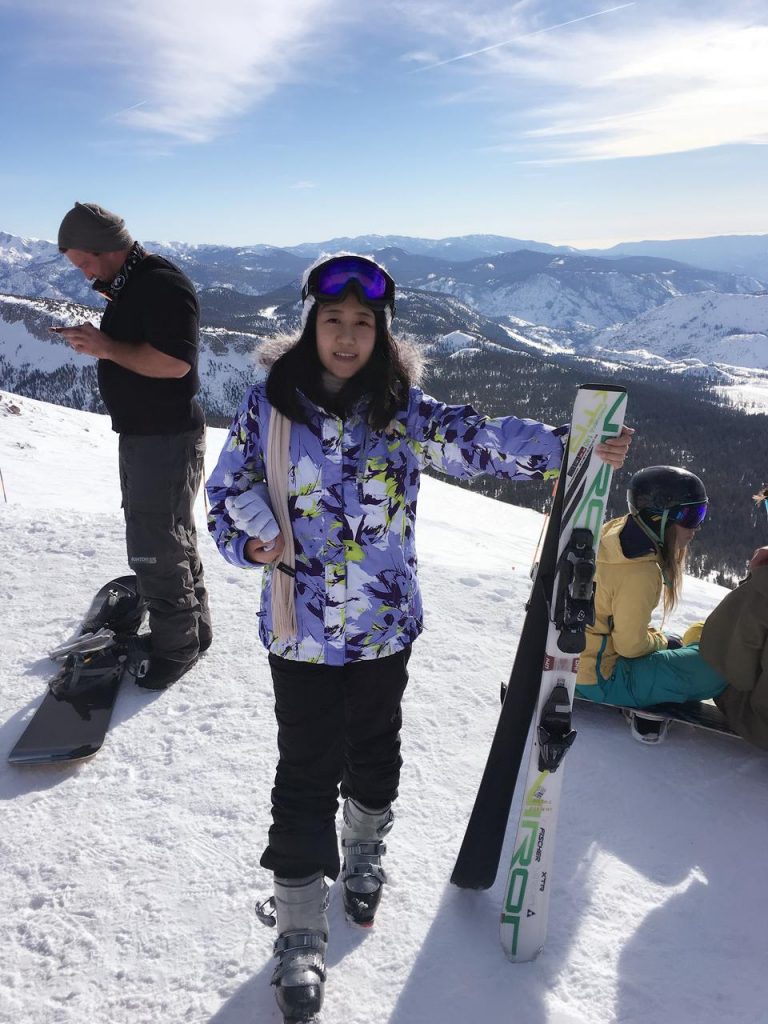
(734, 637)
(734, 642)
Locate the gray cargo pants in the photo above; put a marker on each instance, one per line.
(160, 476)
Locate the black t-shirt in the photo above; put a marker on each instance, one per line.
(157, 305)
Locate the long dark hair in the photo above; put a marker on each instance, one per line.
(384, 380)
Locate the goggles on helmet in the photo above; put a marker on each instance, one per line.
(332, 278)
(689, 516)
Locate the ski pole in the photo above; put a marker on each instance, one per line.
(535, 563)
(2, 483)
(537, 552)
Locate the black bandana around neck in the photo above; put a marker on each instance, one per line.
(112, 290)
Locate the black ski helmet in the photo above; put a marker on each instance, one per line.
(660, 487)
(657, 489)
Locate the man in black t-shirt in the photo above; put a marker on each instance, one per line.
(147, 348)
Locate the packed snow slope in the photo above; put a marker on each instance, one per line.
(128, 882)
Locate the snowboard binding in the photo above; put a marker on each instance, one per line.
(83, 671)
(647, 727)
(72, 720)
(118, 607)
(95, 655)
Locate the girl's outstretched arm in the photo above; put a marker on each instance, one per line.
(458, 441)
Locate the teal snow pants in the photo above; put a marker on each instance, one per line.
(664, 676)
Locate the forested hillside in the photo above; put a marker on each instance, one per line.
(678, 422)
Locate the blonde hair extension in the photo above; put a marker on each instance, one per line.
(283, 593)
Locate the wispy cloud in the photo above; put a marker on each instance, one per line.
(666, 89)
(522, 36)
(303, 185)
(126, 110)
(194, 67)
(638, 83)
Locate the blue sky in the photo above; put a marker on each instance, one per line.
(566, 121)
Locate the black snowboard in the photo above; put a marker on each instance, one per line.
(71, 722)
(700, 714)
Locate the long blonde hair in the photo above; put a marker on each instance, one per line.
(672, 559)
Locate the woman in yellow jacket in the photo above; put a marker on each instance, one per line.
(642, 557)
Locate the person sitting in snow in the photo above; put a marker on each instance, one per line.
(734, 642)
(318, 482)
(641, 556)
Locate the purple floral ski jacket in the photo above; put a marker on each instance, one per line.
(352, 495)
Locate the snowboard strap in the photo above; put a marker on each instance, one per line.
(81, 672)
(86, 644)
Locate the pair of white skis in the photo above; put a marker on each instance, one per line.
(598, 415)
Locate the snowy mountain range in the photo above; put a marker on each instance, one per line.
(745, 255)
(737, 254)
(707, 327)
(563, 290)
(642, 310)
(128, 882)
(38, 363)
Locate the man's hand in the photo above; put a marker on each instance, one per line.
(88, 340)
(142, 358)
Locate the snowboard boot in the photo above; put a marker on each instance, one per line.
(647, 727)
(163, 672)
(152, 671)
(298, 908)
(204, 635)
(139, 651)
(362, 845)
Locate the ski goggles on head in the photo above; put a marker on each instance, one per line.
(332, 278)
(689, 516)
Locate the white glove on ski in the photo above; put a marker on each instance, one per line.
(251, 514)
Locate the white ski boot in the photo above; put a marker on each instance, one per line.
(362, 846)
(298, 909)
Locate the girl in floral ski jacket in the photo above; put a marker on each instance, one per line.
(318, 483)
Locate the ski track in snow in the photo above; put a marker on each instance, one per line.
(128, 881)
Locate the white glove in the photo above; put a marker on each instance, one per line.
(251, 514)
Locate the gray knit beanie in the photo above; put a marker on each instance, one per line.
(93, 229)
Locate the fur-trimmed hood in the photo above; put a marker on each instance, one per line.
(410, 353)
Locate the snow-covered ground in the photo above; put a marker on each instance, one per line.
(128, 882)
(749, 395)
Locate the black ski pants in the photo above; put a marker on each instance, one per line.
(160, 476)
(337, 726)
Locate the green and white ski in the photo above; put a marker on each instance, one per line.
(598, 415)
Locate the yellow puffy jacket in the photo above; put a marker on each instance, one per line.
(627, 591)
